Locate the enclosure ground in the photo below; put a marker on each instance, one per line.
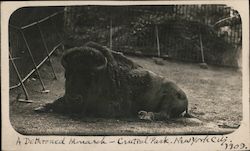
(214, 97)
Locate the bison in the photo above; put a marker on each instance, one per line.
(104, 83)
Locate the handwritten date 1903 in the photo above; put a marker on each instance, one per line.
(231, 146)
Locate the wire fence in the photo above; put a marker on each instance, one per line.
(217, 29)
(190, 31)
(30, 47)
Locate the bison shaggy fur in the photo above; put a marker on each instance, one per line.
(104, 83)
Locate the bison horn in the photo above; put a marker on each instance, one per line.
(103, 66)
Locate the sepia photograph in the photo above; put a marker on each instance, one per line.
(125, 70)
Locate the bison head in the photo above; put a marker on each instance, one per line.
(83, 67)
(164, 98)
(83, 59)
(173, 99)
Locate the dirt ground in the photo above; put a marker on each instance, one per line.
(214, 97)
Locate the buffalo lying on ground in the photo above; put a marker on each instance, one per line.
(104, 83)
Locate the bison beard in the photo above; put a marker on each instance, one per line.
(104, 83)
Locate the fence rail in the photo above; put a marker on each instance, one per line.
(30, 47)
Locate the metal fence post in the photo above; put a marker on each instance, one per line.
(203, 64)
(46, 49)
(34, 63)
(202, 51)
(36, 66)
(20, 80)
(110, 35)
(158, 42)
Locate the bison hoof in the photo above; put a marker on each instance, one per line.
(42, 109)
(143, 115)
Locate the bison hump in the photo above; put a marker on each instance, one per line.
(124, 61)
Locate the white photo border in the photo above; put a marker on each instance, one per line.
(10, 137)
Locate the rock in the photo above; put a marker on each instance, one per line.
(194, 121)
(189, 121)
(203, 65)
(137, 52)
(158, 61)
(165, 57)
(227, 124)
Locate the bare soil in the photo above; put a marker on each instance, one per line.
(215, 97)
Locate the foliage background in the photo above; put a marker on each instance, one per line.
(179, 26)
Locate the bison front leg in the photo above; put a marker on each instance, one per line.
(52, 107)
(66, 104)
(152, 116)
